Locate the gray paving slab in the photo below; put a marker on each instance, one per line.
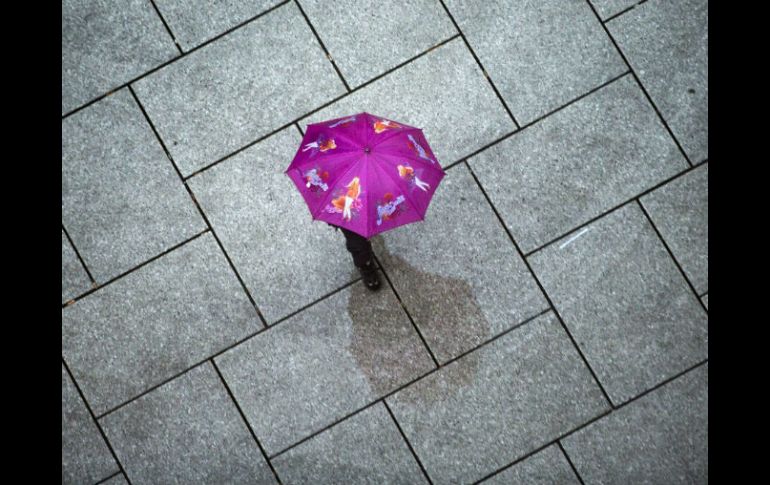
(186, 431)
(154, 323)
(74, 279)
(122, 201)
(106, 44)
(327, 361)
(576, 164)
(680, 211)
(442, 92)
(540, 54)
(85, 457)
(608, 8)
(243, 86)
(625, 302)
(660, 438)
(666, 43)
(366, 448)
(498, 403)
(285, 259)
(705, 299)
(546, 467)
(367, 40)
(194, 23)
(462, 250)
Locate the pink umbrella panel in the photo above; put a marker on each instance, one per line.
(365, 173)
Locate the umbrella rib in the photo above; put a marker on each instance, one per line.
(333, 132)
(329, 158)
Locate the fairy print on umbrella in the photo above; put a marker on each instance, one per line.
(388, 207)
(322, 144)
(316, 180)
(346, 201)
(407, 173)
(383, 125)
(416, 147)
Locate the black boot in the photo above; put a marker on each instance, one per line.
(369, 272)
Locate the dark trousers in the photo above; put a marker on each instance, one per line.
(359, 247)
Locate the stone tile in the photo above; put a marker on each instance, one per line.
(286, 260)
(186, 431)
(608, 8)
(661, 438)
(106, 44)
(366, 448)
(680, 211)
(460, 250)
(154, 323)
(327, 361)
(546, 467)
(577, 163)
(74, 279)
(666, 44)
(443, 92)
(239, 88)
(366, 39)
(85, 457)
(540, 54)
(705, 299)
(122, 201)
(625, 302)
(498, 403)
(194, 23)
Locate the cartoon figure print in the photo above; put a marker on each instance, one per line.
(347, 202)
(382, 125)
(390, 208)
(321, 144)
(343, 122)
(316, 178)
(414, 146)
(407, 173)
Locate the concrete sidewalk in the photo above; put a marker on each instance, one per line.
(546, 323)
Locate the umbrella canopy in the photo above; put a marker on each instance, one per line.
(365, 173)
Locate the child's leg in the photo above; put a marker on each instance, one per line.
(360, 247)
(363, 257)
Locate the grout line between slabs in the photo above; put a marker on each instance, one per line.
(96, 421)
(593, 420)
(671, 254)
(323, 46)
(77, 253)
(403, 435)
(403, 307)
(569, 460)
(170, 61)
(639, 83)
(200, 210)
(168, 29)
(542, 289)
(613, 209)
(319, 108)
(246, 421)
(478, 62)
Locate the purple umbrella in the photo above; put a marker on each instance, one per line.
(365, 173)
